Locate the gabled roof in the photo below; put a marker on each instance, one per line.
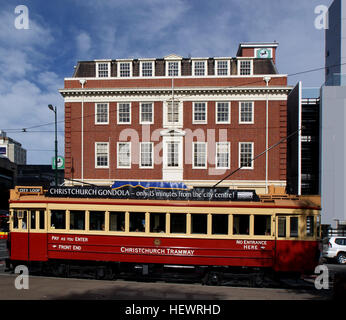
(173, 57)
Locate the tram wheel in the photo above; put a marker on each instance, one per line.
(214, 279)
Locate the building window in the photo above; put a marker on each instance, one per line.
(147, 68)
(146, 153)
(101, 154)
(222, 155)
(172, 154)
(245, 67)
(246, 155)
(124, 155)
(101, 113)
(199, 155)
(173, 112)
(246, 112)
(173, 68)
(222, 67)
(103, 69)
(124, 69)
(199, 112)
(124, 113)
(199, 68)
(222, 112)
(147, 114)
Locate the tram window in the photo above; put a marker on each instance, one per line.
(58, 219)
(137, 221)
(41, 216)
(77, 220)
(15, 219)
(294, 227)
(97, 220)
(310, 226)
(241, 224)
(262, 225)
(117, 221)
(199, 223)
(282, 227)
(178, 223)
(219, 223)
(33, 219)
(25, 220)
(157, 222)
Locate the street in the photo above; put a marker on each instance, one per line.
(49, 288)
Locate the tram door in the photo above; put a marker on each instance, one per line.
(286, 226)
(286, 231)
(37, 235)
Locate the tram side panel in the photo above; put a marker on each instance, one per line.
(296, 256)
(183, 251)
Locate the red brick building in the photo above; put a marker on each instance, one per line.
(191, 120)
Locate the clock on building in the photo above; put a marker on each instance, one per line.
(263, 53)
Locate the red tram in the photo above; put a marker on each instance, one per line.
(69, 226)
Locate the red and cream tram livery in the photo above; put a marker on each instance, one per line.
(71, 225)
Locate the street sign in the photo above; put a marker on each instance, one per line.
(61, 163)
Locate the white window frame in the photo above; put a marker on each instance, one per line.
(179, 142)
(194, 121)
(205, 155)
(217, 69)
(96, 120)
(194, 66)
(118, 109)
(216, 113)
(252, 112)
(178, 124)
(108, 69)
(229, 154)
(167, 69)
(152, 68)
(118, 155)
(119, 62)
(252, 156)
(152, 113)
(141, 166)
(96, 155)
(239, 67)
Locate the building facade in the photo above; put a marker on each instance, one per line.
(303, 146)
(191, 120)
(333, 119)
(11, 149)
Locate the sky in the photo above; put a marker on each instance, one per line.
(35, 61)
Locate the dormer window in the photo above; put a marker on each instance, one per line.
(173, 68)
(124, 69)
(245, 67)
(147, 68)
(103, 69)
(173, 65)
(222, 67)
(199, 67)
